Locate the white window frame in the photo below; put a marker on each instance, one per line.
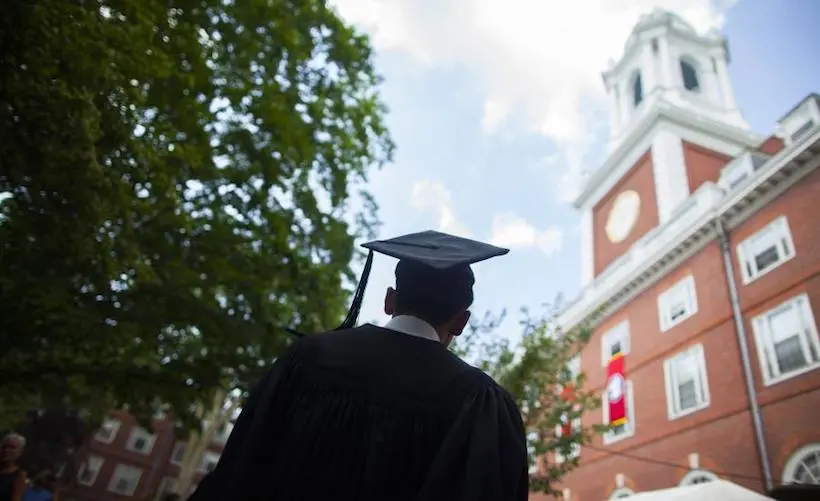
(137, 433)
(682, 292)
(796, 460)
(618, 333)
(98, 462)
(119, 474)
(576, 447)
(672, 389)
(778, 230)
(532, 437)
(609, 437)
(167, 485)
(179, 450)
(808, 341)
(693, 475)
(622, 492)
(208, 456)
(112, 426)
(574, 366)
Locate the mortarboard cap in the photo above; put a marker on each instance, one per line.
(430, 263)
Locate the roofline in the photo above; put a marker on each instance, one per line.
(803, 101)
(787, 167)
(673, 114)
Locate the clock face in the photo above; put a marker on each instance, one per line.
(622, 216)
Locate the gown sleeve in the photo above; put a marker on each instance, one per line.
(215, 485)
(484, 457)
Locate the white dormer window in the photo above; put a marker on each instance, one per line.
(615, 341)
(677, 303)
(765, 250)
(798, 124)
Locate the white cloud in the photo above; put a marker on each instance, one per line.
(510, 230)
(495, 112)
(540, 60)
(433, 197)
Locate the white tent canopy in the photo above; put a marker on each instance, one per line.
(717, 490)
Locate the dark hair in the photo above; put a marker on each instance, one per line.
(171, 496)
(434, 311)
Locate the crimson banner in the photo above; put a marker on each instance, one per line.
(616, 390)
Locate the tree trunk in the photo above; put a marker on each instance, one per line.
(199, 440)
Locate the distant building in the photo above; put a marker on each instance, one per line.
(701, 245)
(124, 461)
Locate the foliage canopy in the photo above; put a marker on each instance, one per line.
(185, 178)
(538, 372)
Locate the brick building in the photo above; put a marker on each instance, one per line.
(124, 461)
(701, 248)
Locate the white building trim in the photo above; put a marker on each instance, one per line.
(690, 228)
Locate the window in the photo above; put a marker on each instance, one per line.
(787, 341)
(687, 386)
(125, 479)
(89, 470)
(140, 441)
(167, 486)
(803, 467)
(690, 76)
(615, 341)
(178, 453)
(209, 461)
(801, 131)
(695, 477)
(574, 366)
(623, 492)
(108, 431)
(637, 90)
(765, 250)
(533, 437)
(677, 303)
(625, 430)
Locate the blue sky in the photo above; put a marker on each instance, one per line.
(498, 108)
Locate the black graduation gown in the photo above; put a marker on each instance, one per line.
(372, 414)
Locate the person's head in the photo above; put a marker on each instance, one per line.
(11, 448)
(440, 297)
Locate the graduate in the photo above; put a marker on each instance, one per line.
(382, 413)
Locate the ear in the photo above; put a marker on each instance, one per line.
(390, 301)
(460, 322)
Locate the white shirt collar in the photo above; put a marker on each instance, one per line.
(413, 326)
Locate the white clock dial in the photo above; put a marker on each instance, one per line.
(623, 216)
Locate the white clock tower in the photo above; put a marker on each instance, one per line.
(674, 122)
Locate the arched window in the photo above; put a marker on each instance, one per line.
(690, 76)
(623, 492)
(695, 477)
(803, 467)
(637, 90)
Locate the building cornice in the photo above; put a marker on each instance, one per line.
(661, 110)
(692, 227)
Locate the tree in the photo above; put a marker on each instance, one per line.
(220, 413)
(185, 179)
(550, 394)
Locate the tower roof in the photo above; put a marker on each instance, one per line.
(660, 17)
